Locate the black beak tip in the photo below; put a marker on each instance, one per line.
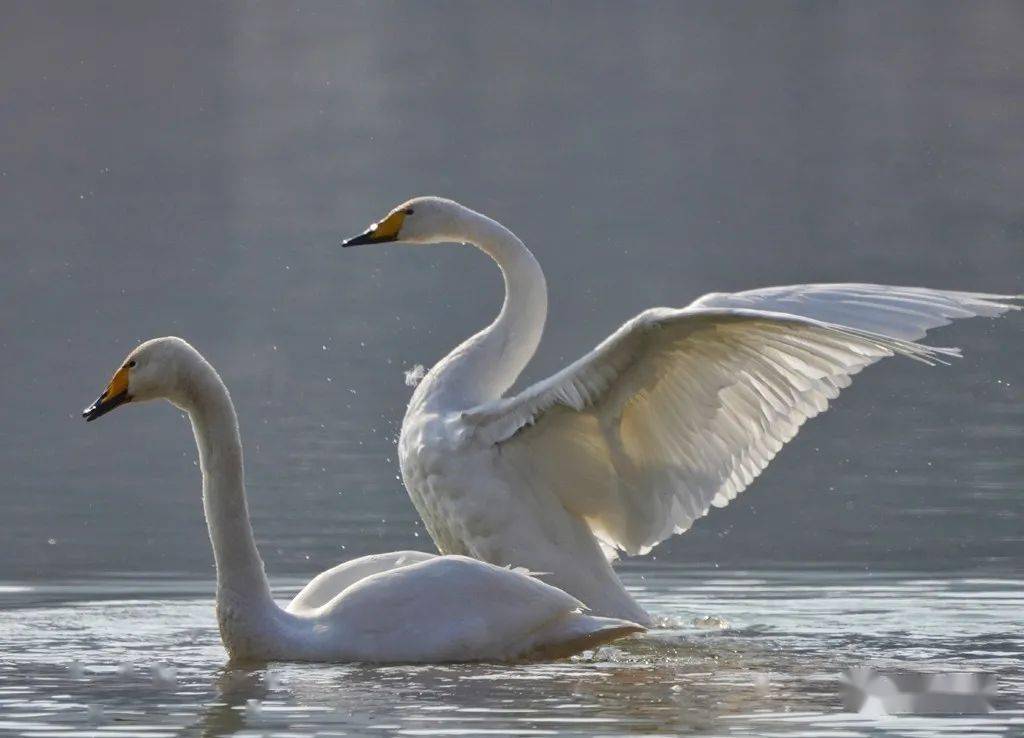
(361, 239)
(104, 405)
(370, 236)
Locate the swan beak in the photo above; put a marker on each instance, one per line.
(383, 231)
(368, 236)
(115, 394)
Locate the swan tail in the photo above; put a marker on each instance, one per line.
(576, 632)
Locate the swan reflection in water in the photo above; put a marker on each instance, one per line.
(668, 681)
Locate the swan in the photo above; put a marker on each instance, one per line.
(674, 413)
(405, 606)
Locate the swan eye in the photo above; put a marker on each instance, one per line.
(130, 364)
(409, 211)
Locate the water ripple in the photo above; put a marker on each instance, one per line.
(118, 656)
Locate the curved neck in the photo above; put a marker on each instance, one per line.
(240, 575)
(484, 366)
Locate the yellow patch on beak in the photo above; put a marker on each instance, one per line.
(381, 232)
(118, 383)
(114, 395)
(389, 227)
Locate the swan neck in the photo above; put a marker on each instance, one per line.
(241, 578)
(486, 365)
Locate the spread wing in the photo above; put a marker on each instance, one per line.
(680, 410)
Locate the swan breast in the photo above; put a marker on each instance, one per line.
(450, 481)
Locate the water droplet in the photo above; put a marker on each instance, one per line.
(415, 375)
(164, 675)
(711, 622)
(253, 710)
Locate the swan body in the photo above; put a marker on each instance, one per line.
(676, 412)
(405, 606)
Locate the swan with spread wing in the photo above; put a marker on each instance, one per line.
(674, 413)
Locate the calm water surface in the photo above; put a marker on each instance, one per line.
(141, 656)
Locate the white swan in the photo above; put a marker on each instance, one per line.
(406, 606)
(676, 411)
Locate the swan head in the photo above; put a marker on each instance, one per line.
(421, 220)
(156, 369)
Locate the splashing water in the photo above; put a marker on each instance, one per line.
(415, 375)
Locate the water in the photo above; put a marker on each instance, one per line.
(190, 168)
(141, 656)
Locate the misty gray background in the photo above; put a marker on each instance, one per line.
(190, 168)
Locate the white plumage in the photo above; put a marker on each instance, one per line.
(677, 411)
(685, 407)
(406, 606)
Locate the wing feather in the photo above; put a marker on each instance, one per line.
(899, 312)
(680, 410)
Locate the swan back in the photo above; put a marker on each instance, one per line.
(453, 608)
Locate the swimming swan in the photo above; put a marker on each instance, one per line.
(677, 411)
(406, 606)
